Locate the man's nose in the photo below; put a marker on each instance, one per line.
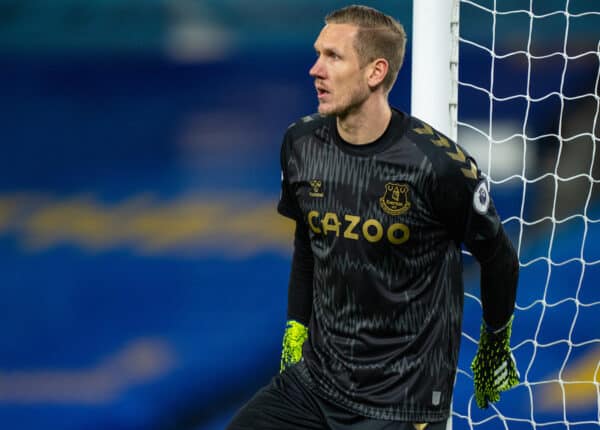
(316, 71)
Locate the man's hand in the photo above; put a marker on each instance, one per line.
(494, 368)
(293, 339)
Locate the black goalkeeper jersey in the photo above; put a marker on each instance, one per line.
(385, 221)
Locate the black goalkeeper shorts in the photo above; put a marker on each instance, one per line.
(286, 404)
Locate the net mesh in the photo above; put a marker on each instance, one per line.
(528, 111)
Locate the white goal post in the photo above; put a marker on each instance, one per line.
(434, 75)
(530, 114)
(434, 63)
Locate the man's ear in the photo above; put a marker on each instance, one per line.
(377, 71)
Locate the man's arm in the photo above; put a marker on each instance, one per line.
(494, 368)
(463, 199)
(301, 277)
(300, 284)
(299, 298)
(499, 276)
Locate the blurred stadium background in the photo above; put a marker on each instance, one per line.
(143, 277)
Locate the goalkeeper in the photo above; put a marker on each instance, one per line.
(382, 203)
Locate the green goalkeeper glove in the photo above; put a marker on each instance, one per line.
(494, 368)
(293, 339)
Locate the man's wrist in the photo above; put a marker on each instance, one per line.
(496, 331)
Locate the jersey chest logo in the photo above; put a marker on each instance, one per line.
(316, 188)
(395, 199)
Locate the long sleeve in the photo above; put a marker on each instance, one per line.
(301, 277)
(499, 277)
(465, 205)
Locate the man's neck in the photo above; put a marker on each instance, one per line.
(366, 124)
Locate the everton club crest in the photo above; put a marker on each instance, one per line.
(316, 187)
(395, 199)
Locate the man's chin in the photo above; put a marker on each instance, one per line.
(326, 110)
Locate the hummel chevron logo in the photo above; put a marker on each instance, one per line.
(442, 141)
(428, 131)
(457, 155)
(424, 130)
(470, 173)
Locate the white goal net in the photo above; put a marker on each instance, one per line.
(529, 112)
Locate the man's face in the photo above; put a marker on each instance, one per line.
(340, 81)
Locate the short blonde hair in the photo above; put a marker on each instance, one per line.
(379, 36)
